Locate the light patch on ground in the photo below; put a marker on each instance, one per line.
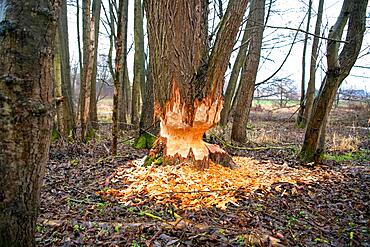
(218, 186)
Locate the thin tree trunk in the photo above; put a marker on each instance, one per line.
(249, 71)
(121, 33)
(339, 67)
(139, 87)
(231, 86)
(68, 109)
(58, 86)
(88, 54)
(303, 80)
(187, 84)
(123, 77)
(80, 60)
(93, 100)
(310, 96)
(27, 39)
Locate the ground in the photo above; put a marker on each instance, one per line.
(92, 199)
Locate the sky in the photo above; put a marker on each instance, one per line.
(285, 13)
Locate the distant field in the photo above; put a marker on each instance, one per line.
(273, 102)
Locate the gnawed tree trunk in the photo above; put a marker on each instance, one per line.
(310, 94)
(231, 86)
(27, 36)
(339, 67)
(119, 62)
(188, 85)
(249, 71)
(299, 121)
(96, 7)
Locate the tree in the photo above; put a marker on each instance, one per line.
(310, 94)
(187, 82)
(303, 81)
(249, 71)
(96, 7)
(138, 85)
(27, 31)
(119, 68)
(62, 74)
(231, 86)
(339, 67)
(87, 70)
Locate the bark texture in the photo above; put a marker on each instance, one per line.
(138, 86)
(310, 94)
(88, 54)
(27, 36)
(65, 73)
(303, 80)
(96, 9)
(249, 71)
(119, 62)
(188, 84)
(231, 86)
(339, 67)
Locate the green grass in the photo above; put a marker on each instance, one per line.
(362, 155)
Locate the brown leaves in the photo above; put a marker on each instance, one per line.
(217, 186)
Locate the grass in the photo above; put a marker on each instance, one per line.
(361, 155)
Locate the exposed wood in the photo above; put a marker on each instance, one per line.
(188, 84)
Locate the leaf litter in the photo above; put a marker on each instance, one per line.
(188, 188)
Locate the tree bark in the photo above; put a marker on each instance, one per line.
(249, 71)
(119, 62)
(339, 67)
(66, 87)
(138, 87)
(231, 86)
(27, 37)
(93, 100)
(310, 95)
(123, 99)
(188, 85)
(58, 86)
(88, 54)
(303, 80)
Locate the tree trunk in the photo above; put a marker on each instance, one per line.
(339, 67)
(139, 68)
(119, 62)
(231, 86)
(88, 54)
(310, 95)
(147, 113)
(66, 87)
(249, 71)
(27, 37)
(93, 100)
(187, 84)
(58, 86)
(303, 80)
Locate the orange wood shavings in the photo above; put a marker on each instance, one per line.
(189, 188)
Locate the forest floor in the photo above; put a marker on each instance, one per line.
(90, 198)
